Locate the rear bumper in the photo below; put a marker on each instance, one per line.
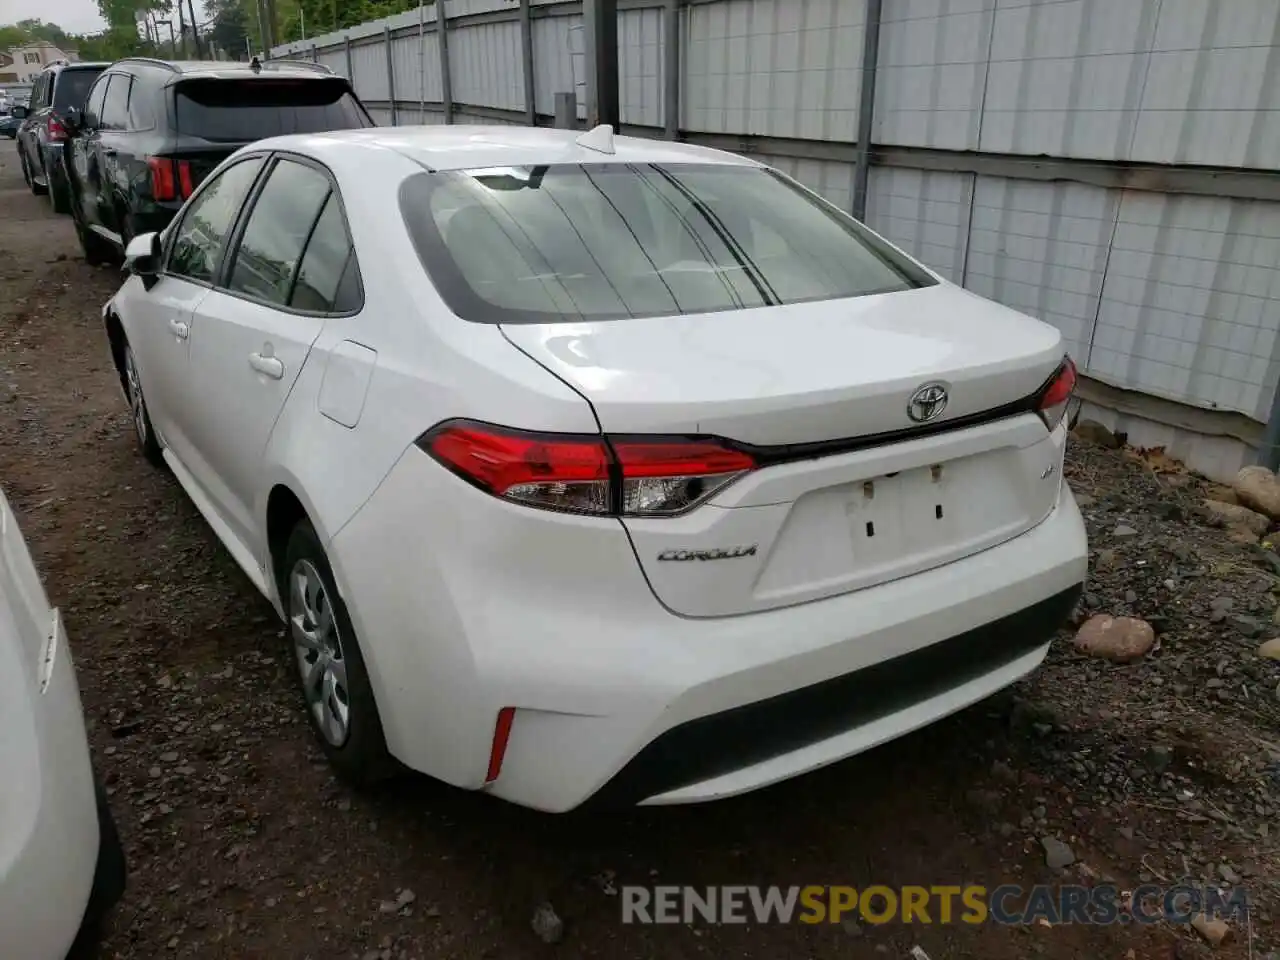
(462, 611)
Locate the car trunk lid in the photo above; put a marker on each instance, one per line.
(850, 490)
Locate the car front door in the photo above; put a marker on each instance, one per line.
(158, 322)
(84, 160)
(249, 342)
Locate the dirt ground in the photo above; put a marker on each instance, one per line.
(241, 845)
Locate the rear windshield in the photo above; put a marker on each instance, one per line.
(600, 242)
(240, 111)
(72, 87)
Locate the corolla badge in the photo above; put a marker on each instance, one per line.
(716, 553)
(927, 402)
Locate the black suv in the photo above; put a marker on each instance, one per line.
(42, 134)
(151, 130)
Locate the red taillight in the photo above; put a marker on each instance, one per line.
(608, 476)
(170, 179)
(1057, 394)
(55, 130)
(501, 734)
(163, 186)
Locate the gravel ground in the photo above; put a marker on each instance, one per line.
(242, 845)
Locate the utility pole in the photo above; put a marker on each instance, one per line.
(273, 26)
(195, 30)
(182, 30)
(600, 22)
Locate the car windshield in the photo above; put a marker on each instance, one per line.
(73, 86)
(598, 242)
(244, 110)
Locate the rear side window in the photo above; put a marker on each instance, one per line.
(243, 110)
(608, 241)
(277, 231)
(72, 87)
(208, 219)
(328, 279)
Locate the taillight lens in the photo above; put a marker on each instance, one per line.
(1057, 394)
(55, 130)
(574, 473)
(170, 179)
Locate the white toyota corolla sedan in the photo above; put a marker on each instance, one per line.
(585, 467)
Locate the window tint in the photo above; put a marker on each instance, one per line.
(93, 106)
(328, 260)
(197, 244)
(141, 116)
(243, 110)
(72, 87)
(277, 230)
(115, 109)
(627, 240)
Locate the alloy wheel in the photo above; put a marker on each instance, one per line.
(137, 405)
(318, 649)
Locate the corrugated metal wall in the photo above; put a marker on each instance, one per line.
(1174, 295)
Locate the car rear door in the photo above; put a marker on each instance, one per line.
(249, 342)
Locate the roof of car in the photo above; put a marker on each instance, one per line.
(232, 69)
(462, 147)
(79, 65)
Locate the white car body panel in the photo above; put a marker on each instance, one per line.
(466, 603)
(48, 813)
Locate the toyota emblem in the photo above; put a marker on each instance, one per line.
(927, 402)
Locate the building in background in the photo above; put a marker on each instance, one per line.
(1109, 166)
(29, 59)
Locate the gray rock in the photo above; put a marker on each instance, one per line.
(547, 924)
(1157, 758)
(1124, 530)
(1228, 875)
(1056, 853)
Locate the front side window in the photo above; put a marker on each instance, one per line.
(93, 106)
(609, 241)
(208, 219)
(276, 232)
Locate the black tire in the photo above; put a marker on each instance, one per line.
(143, 431)
(97, 250)
(22, 162)
(110, 876)
(360, 758)
(59, 197)
(38, 190)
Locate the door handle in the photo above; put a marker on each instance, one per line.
(267, 366)
(179, 329)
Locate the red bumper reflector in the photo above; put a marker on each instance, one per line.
(501, 733)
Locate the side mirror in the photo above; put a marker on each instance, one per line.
(19, 112)
(142, 258)
(72, 120)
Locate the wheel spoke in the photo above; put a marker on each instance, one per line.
(301, 635)
(313, 678)
(338, 670)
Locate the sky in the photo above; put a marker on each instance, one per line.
(73, 16)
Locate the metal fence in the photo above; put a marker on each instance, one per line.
(1107, 165)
